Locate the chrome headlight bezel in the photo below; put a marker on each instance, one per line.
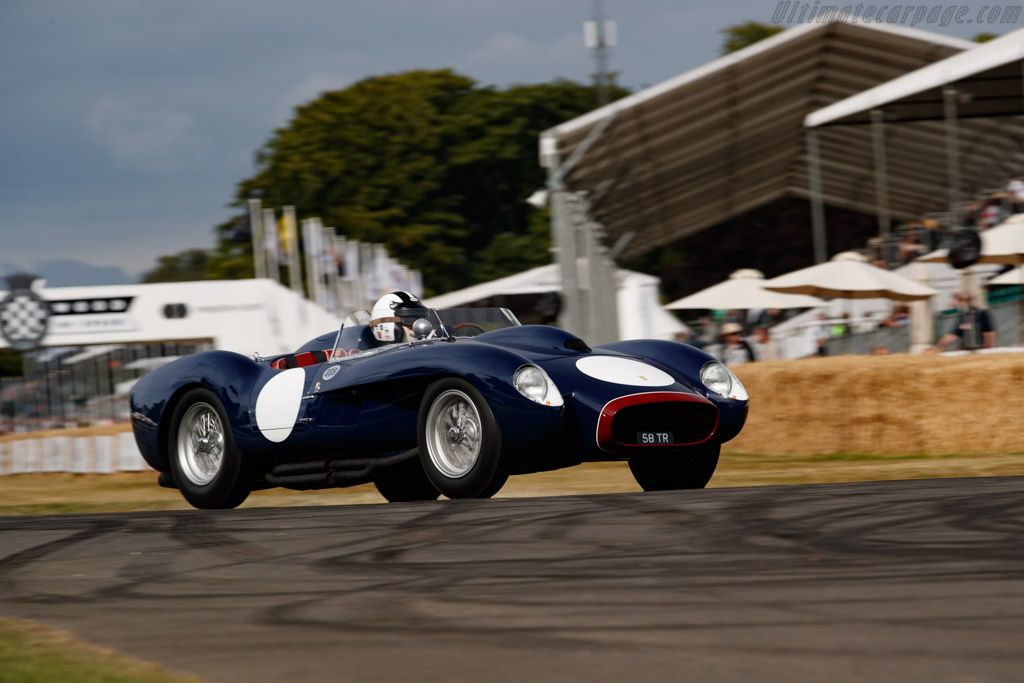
(532, 382)
(719, 379)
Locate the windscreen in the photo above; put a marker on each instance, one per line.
(417, 325)
(469, 322)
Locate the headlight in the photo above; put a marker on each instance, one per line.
(722, 381)
(534, 384)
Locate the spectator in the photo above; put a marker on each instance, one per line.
(735, 349)
(1015, 189)
(930, 237)
(973, 327)
(880, 351)
(817, 335)
(757, 317)
(900, 316)
(969, 218)
(842, 326)
(706, 333)
(989, 215)
(767, 349)
(909, 249)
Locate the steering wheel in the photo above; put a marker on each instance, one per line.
(459, 325)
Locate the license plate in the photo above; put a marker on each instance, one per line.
(653, 438)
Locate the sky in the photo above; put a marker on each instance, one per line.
(126, 125)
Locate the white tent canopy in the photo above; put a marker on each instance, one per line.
(640, 313)
(743, 290)
(988, 77)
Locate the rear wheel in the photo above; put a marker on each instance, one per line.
(460, 442)
(205, 463)
(684, 468)
(405, 482)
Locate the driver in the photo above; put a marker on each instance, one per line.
(386, 326)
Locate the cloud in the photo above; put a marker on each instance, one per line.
(150, 139)
(507, 56)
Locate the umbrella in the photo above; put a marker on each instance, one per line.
(1001, 244)
(743, 290)
(849, 276)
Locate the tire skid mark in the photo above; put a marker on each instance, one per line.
(644, 570)
(29, 555)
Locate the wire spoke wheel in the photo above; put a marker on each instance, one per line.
(204, 460)
(200, 444)
(454, 433)
(460, 441)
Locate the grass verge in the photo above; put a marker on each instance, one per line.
(31, 653)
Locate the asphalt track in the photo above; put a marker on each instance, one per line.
(910, 580)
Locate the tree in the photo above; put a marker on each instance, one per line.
(426, 162)
(184, 266)
(739, 36)
(984, 37)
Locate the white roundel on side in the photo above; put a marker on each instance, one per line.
(623, 371)
(277, 406)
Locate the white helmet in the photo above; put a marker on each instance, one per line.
(384, 323)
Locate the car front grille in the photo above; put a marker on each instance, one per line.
(690, 419)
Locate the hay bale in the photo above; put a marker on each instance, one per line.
(884, 404)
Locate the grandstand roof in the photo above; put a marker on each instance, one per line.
(988, 78)
(725, 138)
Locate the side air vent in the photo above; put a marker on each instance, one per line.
(575, 344)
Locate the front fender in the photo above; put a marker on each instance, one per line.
(685, 362)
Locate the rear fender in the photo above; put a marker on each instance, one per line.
(229, 376)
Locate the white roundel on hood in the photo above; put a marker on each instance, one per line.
(277, 406)
(623, 371)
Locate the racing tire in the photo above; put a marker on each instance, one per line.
(205, 462)
(460, 441)
(684, 468)
(405, 483)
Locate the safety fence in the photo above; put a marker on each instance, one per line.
(77, 454)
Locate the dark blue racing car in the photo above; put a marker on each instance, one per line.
(424, 402)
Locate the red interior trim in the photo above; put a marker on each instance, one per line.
(605, 440)
(301, 360)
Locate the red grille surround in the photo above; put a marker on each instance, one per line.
(698, 420)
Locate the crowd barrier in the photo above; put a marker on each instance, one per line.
(81, 454)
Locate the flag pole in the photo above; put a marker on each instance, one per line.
(259, 261)
(292, 238)
(272, 243)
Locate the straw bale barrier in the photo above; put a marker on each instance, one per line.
(895, 404)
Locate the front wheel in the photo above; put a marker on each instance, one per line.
(684, 468)
(460, 441)
(205, 463)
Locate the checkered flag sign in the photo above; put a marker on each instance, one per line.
(24, 316)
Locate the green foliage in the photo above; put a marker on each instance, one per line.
(739, 36)
(984, 37)
(428, 163)
(181, 267)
